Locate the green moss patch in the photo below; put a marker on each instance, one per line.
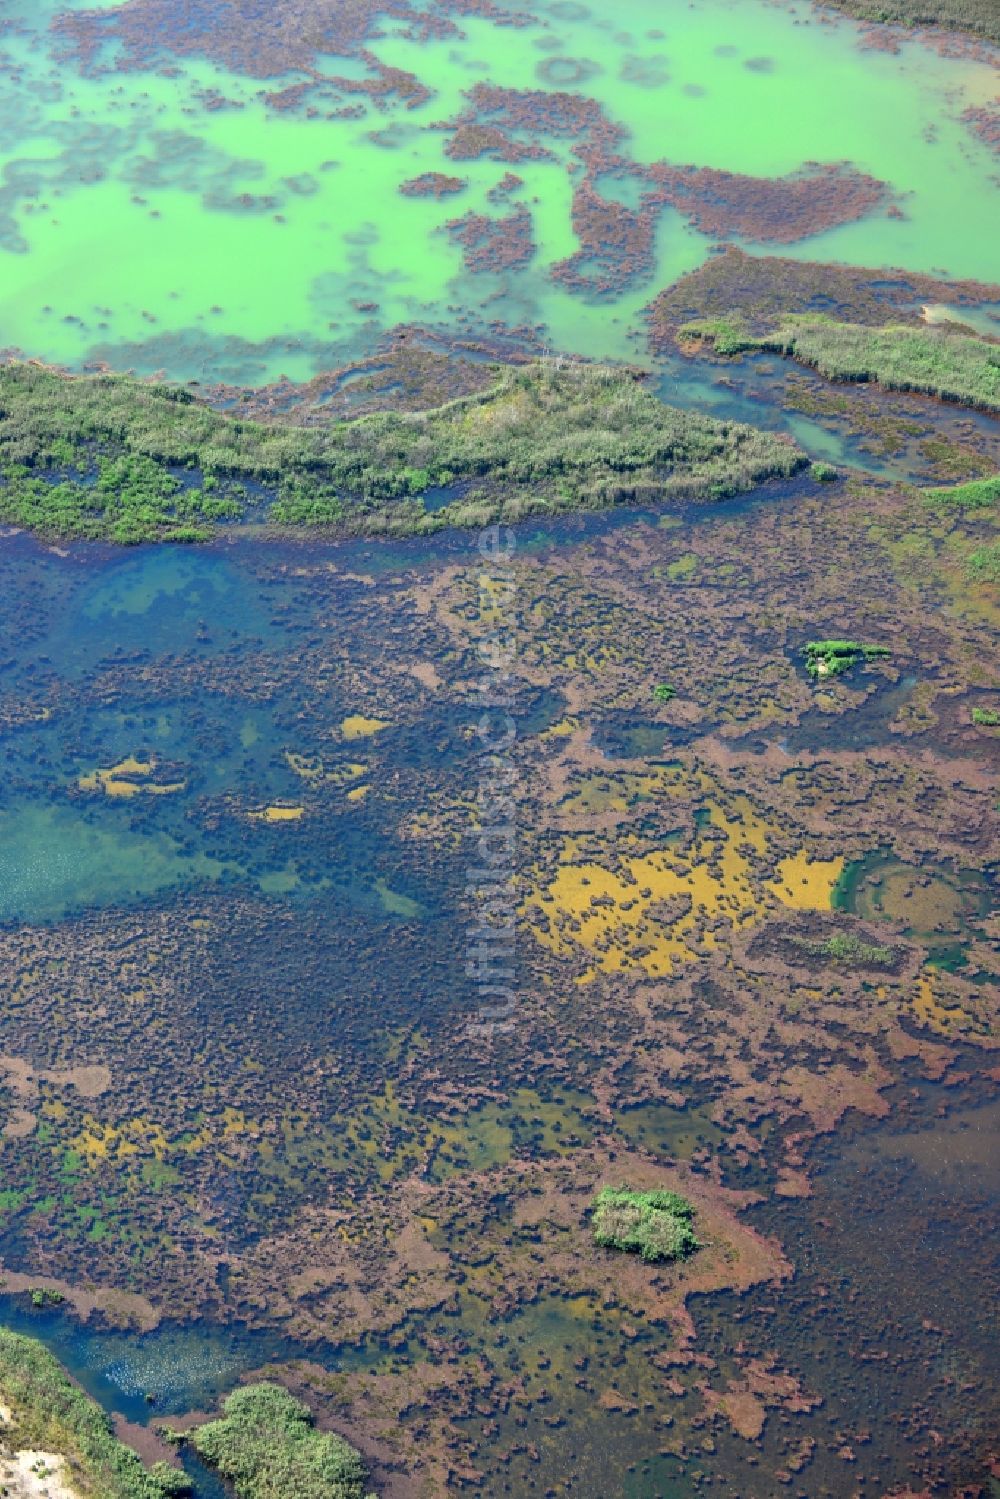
(266, 1445)
(656, 1225)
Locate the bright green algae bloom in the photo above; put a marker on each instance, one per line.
(656, 1225)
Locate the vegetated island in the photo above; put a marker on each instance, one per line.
(266, 1445)
(828, 658)
(981, 17)
(657, 1225)
(945, 362)
(54, 1436)
(119, 459)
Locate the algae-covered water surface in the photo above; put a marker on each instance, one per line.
(278, 795)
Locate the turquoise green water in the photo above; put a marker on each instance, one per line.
(120, 238)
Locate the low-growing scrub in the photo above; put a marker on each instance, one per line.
(986, 718)
(983, 565)
(979, 16)
(941, 362)
(51, 1414)
(266, 1445)
(843, 947)
(657, 1225)
(120, 459)
(977, 494)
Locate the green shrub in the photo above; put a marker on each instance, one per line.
(986, 718)
(828, 658)
(266, 1445)
(656, 1225)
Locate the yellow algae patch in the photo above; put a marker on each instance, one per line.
(130, 777)
(276, 813)
(311, 768)
(931, 1011)
(308, 767)
(141, 1137)
(807, 884)
(648, 911)
(357, 726)
(358, 793)
(98, 1142)
(560, 730)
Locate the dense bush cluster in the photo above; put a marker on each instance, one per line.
(266, 1445)
(117, 458)
(656, 1225)
(828, 658)
(51, 1414)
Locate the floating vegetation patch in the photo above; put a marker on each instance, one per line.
(655, 1225)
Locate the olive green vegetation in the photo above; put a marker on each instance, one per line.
(977, 494)
(979, 16)
(114, 458)
(266, 1445)
(823, 473)
(983, 565)
(50, 1414)
(656, 1225)
(828, 658)
(664, 693)
(941, 362)
(986, 718)
(845, 948)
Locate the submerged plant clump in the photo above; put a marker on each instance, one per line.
(656, 1225)
(107, 457)
(266, 1445)
(828, 658)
